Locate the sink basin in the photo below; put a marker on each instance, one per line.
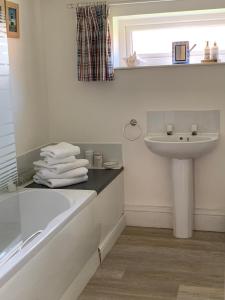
(181, 146)
(182, 149)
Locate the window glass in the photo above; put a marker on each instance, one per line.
(160, 40)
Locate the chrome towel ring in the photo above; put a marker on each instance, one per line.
(131, 125)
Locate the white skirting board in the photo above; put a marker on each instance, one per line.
(77, 286)
(162, 217)
(111, 238)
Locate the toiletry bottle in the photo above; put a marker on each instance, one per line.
(89, 155)
(207, 51)
(215, 52)
(98, 160)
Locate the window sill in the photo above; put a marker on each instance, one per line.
(169, 66)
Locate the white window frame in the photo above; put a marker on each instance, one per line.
(124, 26)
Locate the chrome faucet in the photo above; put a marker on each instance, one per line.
(169, 129)
(194, 129)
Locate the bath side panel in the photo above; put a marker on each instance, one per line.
(48, 274)
(110, 214)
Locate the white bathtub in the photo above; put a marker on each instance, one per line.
(47, 265)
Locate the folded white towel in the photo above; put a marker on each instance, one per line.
(55, 161)
(48, 174)
(57, 183)
(60, 150)
(61, 168)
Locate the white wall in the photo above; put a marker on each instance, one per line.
(97, 112)
(28, 84)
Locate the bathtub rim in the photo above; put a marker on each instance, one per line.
(10, 268)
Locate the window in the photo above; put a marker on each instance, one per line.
(151, 36)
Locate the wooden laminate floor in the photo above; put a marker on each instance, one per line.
(150, 263)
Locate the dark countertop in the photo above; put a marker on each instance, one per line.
(98, 180)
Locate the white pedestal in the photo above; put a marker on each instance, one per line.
(183, 195)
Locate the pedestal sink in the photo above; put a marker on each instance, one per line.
(182, 149)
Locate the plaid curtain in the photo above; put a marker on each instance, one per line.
(94, 51)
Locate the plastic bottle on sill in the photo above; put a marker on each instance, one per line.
(215, 52)
(207, 51)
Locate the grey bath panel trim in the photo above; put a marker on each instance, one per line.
(98, 180)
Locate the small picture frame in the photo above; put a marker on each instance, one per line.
(12, 19)
(181, 53)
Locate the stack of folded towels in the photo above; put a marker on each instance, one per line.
(60, 167)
